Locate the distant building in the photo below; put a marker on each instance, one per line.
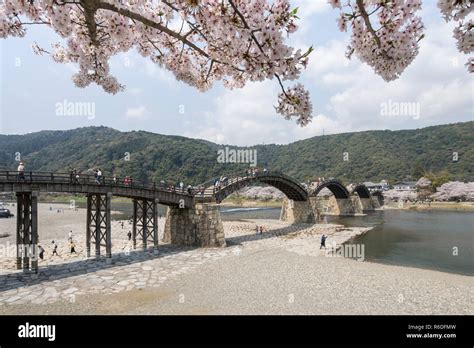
(405, 186)
(376, 186)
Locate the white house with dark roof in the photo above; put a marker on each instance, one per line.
(405, 186)
(377, 186)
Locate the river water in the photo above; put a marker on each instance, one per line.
(438, 240)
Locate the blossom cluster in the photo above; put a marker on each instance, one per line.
(295, 102)
(385, 34)
(462, 12)
(199, 41)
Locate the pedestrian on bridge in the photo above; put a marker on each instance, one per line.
(21, 171)
(99, 175)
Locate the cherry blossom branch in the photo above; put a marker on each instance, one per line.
(150, 23)
(365, 16)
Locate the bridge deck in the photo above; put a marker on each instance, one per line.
(87, 184)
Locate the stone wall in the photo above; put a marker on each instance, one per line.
(367, 204)
(357, 205)
(198, 226)
(296, 212)
(340, 206)
(361, 204)
(375, 202)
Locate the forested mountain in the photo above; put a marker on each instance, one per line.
(372, 155)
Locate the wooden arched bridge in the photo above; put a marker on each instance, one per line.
(190, 220)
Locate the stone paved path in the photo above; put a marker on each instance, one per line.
(69, 276)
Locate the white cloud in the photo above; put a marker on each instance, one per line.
(348, 96)
(435, 80)
(138, 113)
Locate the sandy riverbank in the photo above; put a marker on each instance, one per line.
(281, 271)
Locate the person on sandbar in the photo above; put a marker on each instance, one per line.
(323, 242)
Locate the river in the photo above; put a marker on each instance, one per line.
(426, 239)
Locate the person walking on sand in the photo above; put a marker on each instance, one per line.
(261, 229)
(122, 225)
(70, 236)
(323, 242)
(256, 229)
(40, 252)
(73, 247)
(55, 248)
(129, 235)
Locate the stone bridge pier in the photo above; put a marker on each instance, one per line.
(200, 225)
(366, 204)
(341, 206)
(296, 212)
(377, 201)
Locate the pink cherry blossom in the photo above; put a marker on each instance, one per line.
(460, 11)
(199, 41)
(385, 34)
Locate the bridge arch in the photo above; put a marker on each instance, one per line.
(361, 190)
(335, 186)
(289, 186)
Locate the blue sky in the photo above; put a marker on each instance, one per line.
(347, 96)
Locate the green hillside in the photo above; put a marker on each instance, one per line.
(372, 155)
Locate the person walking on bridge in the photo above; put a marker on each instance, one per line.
(21, 171)
(99, 175)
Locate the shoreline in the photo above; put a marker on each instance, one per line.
(284, 259)
(433, 206)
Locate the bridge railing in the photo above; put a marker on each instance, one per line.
(209, 188)
(89, 179)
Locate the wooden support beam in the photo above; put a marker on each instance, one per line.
(108, 226)
(34, 231)
(88, 225)
(155, 226)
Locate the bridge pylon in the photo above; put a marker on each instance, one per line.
(199, 226)
(98, 229)
(27, 231)
(145, 223)
(296, 212)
